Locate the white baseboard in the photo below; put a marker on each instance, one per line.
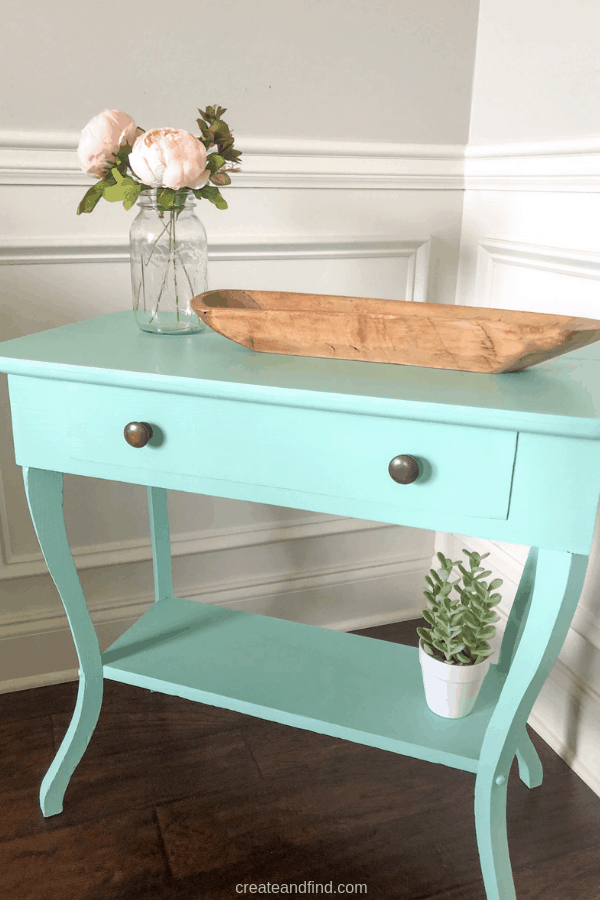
(344, 598)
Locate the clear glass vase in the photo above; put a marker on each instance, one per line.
(168, 252)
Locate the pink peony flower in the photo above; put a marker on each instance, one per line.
(169, 157)
(101, 139)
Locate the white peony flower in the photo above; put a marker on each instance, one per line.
(169, 157)
(102, 138)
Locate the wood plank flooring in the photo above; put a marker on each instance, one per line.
(177, 801)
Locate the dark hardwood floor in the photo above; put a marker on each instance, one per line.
(181, 801)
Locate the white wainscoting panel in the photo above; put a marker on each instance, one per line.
(513, 275)
(356, 265)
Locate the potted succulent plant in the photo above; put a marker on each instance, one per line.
(454, 650)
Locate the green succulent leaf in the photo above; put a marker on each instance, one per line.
(460, 616)
(487, 632)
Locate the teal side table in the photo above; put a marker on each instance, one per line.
(215, 418)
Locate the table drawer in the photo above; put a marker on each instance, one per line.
(464, 469)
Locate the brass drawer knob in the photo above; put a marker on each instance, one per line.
(137, 434)
(404, 469)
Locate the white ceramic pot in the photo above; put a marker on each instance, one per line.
(451, 691)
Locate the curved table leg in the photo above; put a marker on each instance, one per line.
(558, 584)
(45, 497)
(531, 771)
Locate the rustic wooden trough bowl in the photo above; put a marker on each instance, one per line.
(434, 335)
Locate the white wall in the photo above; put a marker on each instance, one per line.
(530, 240)
(352, 119)
(537, 75)
(388, 70)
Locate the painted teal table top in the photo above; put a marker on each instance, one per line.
(561, 396)
(512, 457)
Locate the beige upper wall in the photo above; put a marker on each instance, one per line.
(537, 71)
(374, 70)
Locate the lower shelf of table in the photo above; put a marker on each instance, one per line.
(344, 685)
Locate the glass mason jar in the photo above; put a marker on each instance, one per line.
(168, 253)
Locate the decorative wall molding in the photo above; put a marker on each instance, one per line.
(50, 159)
(208, 540)
(567, 165)
(108, 248)
(241, 593)
(563, 699)
(492, 253)
(586, 145)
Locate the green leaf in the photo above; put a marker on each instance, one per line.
(496, 583)
(428, 650)
(487, 632)
(211, 193)
(123, 190)
(165, 198)
(214, 162)
(428, 616)
(221, 179)
(90, 198)
(131, 195)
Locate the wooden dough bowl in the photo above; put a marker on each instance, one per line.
(434, 335)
